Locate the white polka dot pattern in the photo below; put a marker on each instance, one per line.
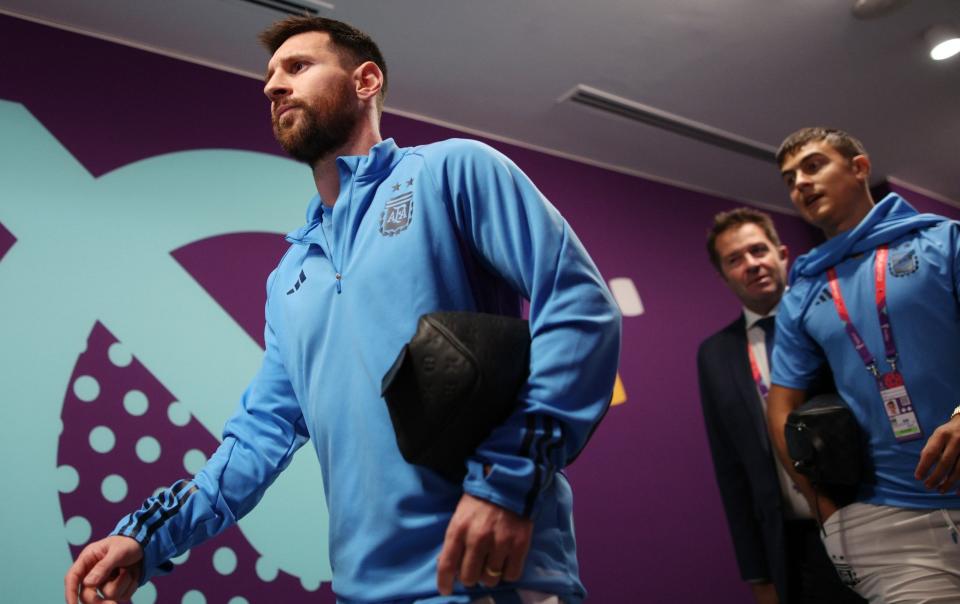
(124, 434)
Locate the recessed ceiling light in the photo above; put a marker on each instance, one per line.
(943, 42)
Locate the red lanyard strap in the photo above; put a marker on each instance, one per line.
(883, 314)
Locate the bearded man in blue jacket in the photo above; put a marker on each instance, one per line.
(879, 302)
(395, 233)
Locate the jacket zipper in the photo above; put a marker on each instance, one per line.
(333, 261)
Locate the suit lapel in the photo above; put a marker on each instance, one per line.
(743, 377)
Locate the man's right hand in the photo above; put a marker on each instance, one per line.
(111, 565)
(764, 593)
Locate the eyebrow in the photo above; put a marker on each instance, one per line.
(800, 161)
(292, 57)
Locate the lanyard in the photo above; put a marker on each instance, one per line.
(883, 314)
(755, 370)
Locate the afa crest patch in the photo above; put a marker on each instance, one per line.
(397, 214)
(903, 262)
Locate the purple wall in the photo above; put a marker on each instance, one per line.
(925, 203)
(648, 514)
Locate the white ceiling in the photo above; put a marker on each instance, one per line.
(756, 68)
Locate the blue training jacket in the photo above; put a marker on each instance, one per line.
(453, 225)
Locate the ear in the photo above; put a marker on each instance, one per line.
(368, 79)
(784, 252)
(861, 167)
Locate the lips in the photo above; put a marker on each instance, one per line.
(283, 109)
(812, 199)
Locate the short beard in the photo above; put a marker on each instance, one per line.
(324, 128)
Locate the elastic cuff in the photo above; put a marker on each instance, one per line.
(516, 491)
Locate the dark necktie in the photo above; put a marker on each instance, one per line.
(767, 324)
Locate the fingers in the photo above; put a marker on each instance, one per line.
(484, 543)
(449, 561)
(79, 570)
(89, 595)
(513, 568)
(71, 583)
(940, 478)
(929, 455)
(940, 453)
(479, 546)
(951, 481)
(120, 586)
(103, 570)
(110, 565)
(492, 571)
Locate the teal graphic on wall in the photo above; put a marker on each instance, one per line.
(120, 367)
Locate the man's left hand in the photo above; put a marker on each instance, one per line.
(942, 448)
(485, 543)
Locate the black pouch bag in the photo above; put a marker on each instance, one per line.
(826, 445)
(453, 383)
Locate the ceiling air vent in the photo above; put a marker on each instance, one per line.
(651, 116)
(304, 7)
(870, 9)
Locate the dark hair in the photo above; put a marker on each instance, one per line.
(845, 144)
(724, 221)
(354, 46)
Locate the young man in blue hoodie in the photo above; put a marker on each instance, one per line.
(879, 302)
(392, 234)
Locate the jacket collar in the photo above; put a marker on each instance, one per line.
(362, 169)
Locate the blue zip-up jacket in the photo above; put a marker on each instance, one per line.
(450, 226)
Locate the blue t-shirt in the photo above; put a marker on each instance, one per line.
(922, 297)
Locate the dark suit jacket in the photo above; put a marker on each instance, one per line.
(742, 455)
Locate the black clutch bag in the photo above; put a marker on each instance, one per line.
(453, 383)
(826, 445)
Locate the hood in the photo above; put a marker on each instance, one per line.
(887, 221)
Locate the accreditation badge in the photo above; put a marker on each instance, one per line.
(899, 407)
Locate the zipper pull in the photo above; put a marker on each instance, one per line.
(338, 277)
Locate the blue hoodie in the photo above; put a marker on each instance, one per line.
(923, 296)
(449, 226)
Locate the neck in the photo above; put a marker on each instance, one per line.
(326, 176)
(858, 212)
(762, 308)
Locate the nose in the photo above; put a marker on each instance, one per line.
(751, 262)
(276, 87)
(801, 181)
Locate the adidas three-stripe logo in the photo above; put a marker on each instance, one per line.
(297, 285)
(824, 296)
(151, 517)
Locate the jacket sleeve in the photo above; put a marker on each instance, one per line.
(574, 323)
(259, 441)
(732, 480)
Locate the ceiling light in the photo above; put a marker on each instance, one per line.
(943, 42)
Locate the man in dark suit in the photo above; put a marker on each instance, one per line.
(774, 536)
